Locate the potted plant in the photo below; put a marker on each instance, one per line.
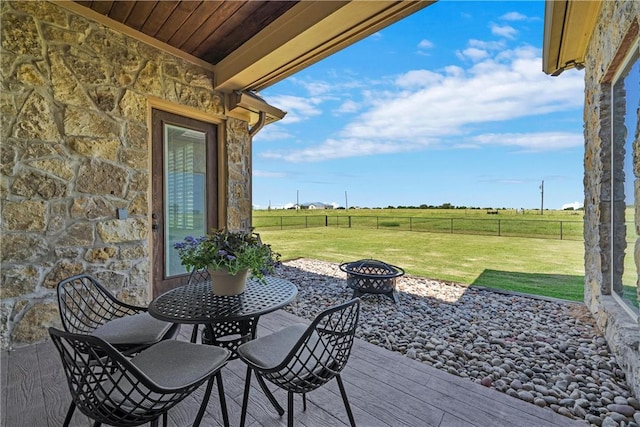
(229, 256)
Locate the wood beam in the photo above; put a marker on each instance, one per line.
(307, 33)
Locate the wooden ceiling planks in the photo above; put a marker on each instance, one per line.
(175, 21)
(101, 6)
(194, 22)
(120, 10)
(141, 11)
(251, 19)
(213, 26)
(209, 29)
(158, 17)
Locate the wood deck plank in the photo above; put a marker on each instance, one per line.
(366, 388)
(25, 406)
(383, 387)
(56, 395)
(4, 364)
(512, 410)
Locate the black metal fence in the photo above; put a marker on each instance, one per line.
(543, 229)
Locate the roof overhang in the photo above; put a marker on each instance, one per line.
(568, 25)
(295, 38)
(249, 106)
(305, 34)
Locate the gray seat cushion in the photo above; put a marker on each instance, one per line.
(269, 351)
(173, 363)
(139, 328)
(170, 364)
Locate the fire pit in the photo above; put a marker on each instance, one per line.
(373, 277)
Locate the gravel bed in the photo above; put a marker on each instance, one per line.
(550, 354)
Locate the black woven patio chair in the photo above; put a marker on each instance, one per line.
(228, 334)
(110, 388)
(87, 307)
(300, 358)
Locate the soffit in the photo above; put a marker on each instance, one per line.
(567, 29)
(249, 45)
(209, 30)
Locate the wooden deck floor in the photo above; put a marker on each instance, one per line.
(384, 388)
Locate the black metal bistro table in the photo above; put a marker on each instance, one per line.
(235, 315)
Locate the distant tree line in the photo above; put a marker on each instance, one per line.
(422, 206)
(451, 206)
(442, 206)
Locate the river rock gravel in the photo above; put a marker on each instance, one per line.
(547, 353)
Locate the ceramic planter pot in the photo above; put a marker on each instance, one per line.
(223, 283)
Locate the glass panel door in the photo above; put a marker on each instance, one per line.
(184, 191)
(185, 196)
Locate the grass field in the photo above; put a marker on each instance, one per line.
(563, 225)
(509, 250)
(538, 266)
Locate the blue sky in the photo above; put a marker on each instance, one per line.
(449, 105)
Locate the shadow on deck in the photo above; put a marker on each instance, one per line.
(384, 388)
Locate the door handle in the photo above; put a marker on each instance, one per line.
(155, 223)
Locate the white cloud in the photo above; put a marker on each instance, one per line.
(280, 206)
(336, 149)
(417, 79)
(423, 109)
(298, 108)
(472, 53)
(425, 44)
(267, 174)
(348, 106)
(506, 31)
(317, 88)
(533, 142)
(513, 16)
(454, 71)
(574, 205)
(486, 45)
(272, 132)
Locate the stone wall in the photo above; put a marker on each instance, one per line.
(75, 148)
(616, 21)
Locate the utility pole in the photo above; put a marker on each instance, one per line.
(542, 198)
(346, 203)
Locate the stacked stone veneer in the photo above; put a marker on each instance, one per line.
(616, 21)
(75, 147)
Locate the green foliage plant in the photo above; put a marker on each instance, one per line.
(228, 250)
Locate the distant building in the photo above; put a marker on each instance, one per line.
(316, 205)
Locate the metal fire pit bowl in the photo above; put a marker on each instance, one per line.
(373, 277)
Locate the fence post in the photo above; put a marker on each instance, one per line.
(560, 230)
(306, 222)
(451, 226)
(326, 220)
(280, 223)
(349, 221)
(498, 227)
(410, 224)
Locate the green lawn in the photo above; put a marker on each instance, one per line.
(545, 267)
(565, 225)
